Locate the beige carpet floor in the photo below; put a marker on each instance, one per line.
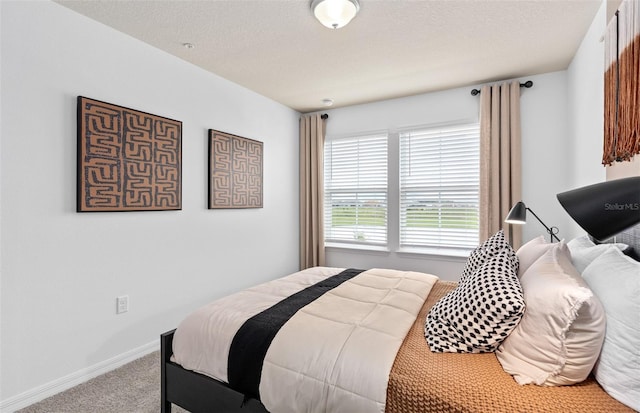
(132, 388)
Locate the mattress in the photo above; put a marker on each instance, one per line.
(332, 355)
(423, 382)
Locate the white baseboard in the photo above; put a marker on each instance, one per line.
(39, 393)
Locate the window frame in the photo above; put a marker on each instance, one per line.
(355, 244)
(451, 242)
(393, 193)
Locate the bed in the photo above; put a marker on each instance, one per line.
(419, 380)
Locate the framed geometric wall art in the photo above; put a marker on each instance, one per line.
(127, 160)
(235, 171)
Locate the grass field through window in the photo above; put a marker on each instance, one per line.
(426, 217)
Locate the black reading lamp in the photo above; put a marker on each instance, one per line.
(606, 208)
(518, 215)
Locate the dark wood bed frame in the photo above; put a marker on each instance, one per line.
(198, 393)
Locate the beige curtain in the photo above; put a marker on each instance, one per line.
(312, 129)
(500, 159)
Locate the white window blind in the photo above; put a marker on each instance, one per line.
(355, 198)
(439, 184)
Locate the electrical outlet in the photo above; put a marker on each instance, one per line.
(122, 304)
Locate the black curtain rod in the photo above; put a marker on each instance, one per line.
(527, 84)
(324, 116)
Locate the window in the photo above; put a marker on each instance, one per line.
(412, 191)
(439, 184)
(355, 197)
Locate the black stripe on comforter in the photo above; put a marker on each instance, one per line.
(252, 340)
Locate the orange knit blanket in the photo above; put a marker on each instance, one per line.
(425, 382)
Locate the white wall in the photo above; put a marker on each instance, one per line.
(586, 105)
(61, 271)
(1, 269)
(545, 147)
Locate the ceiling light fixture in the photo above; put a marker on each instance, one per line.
(335, 14)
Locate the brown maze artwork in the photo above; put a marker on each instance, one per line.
(235, 171)
(127, 160)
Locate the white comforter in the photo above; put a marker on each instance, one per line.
(334, 355)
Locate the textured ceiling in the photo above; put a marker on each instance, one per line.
(392, 48)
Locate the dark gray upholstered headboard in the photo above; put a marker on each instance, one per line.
(631, 237)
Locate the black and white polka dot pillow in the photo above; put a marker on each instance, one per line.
(493, 245)
(480, 313)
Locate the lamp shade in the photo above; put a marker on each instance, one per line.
(518, 214)
(606, 208)
(335, 14)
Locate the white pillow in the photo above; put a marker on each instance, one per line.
(615, 279)
(560, 335)
(584, 251)
(530, 252)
